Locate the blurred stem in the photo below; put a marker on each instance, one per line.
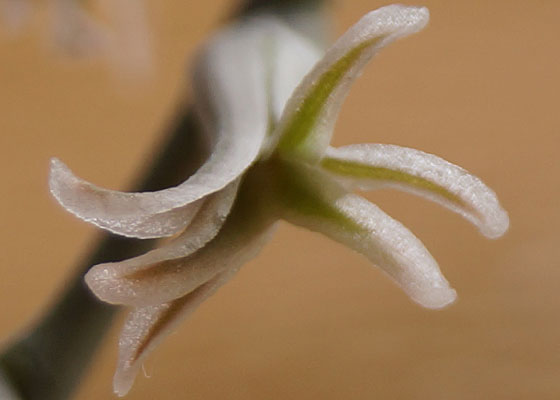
(47, 361)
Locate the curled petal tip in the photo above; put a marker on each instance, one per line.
(106, 282)
(115, 283)
(123, 381)
(362, 226)
(54, 164)
(435, 298)
(98, 279)
(371, 166)
(497, 224)
(408, 19)
(136, 281)
(307, 123)
(58, 174)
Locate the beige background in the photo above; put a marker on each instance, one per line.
(309, 319)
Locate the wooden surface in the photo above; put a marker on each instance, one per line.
(309, 319)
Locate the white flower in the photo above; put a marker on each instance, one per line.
(123, 39)
(269, 103)
(14, 14)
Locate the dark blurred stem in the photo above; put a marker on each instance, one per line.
(48, 360)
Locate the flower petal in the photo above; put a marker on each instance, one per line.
(131, 50)
(146, 327)
(289, 57)
(370, 166)
(75, 31)
(316, 202)
(85, 200)
(293, 57)
(306, 127)
(14, 14)
(171, 279)
(109, 281)
(229, 82)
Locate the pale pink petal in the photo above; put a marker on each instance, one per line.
(86, 200)
(229, 85)
(14, 14)
(146, 327)
(370, 166)
(131, 48)
(306, 126)
(171, 279)
(109, 281)
(349, 219)
(75, 32)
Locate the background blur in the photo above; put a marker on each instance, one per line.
(309, 318)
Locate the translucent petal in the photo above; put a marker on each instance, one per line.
(85, 200)
(369, 166)
(287, 57)
(131, 50)
(75, 31)
(306, 126)
(293, 57)
(146, 327)
(108, 281)
(170, 279)
(323, 206)
(14, 14)
(231, 101)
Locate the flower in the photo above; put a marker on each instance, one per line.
(269, 103)
(13, 14)
(124, 41)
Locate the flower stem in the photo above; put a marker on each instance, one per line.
(47, 361)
